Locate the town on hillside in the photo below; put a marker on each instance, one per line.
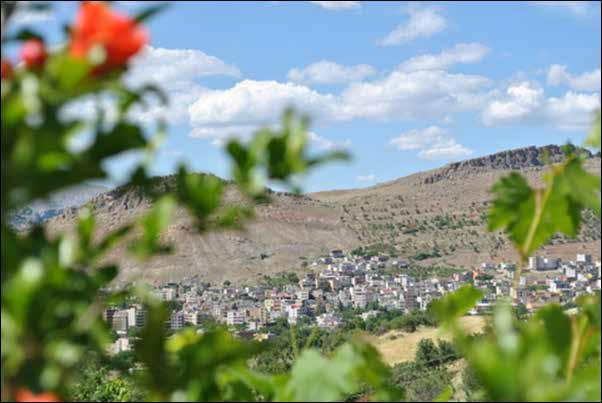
(368, 283)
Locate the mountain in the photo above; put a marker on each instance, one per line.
(432, 217)
(43, 210)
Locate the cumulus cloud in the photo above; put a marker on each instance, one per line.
(176, 71)
(526, 103)
(164, 66)
(327, 72)
(421, 24)
(399, 96)
(413, 95)
(338, 5)
(253, 103)
(518, 105)
(588, 81)
(573, 111)
(464, 53)
(432, 143)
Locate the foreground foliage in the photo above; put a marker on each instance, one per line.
(553, 355)
(51, 286)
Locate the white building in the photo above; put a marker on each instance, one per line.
(328, 321)
(120, 345)
(235, 317)
(120, 322)
(168, 294)
(176, 320)
(584, 258)
(539, 263)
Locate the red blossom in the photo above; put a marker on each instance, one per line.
(26, 395)
(96, 24)
(33, 53)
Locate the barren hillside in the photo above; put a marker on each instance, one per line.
(436, 216)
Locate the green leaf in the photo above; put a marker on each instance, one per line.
(558, 328)
(149, 12)
(24, 35)
(153, 224)
(445, 395)
(68, 72)
(201, 193)
(315, 378)
(85, 228)
(104, 275)
(276, 155)
(152, 353)
(121, 138)
(531, 217)
(455, 304)
(580, 186)
(514, 201)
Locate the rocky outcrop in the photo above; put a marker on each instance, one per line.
(517, 159)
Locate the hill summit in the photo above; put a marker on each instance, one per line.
(436, 217)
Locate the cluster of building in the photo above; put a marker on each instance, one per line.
(367, 283)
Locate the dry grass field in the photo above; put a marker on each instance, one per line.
(397, 346)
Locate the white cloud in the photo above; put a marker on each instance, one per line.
(254, 103)
(414, 95)
(338, 5)
(323, 143)
(399, 96)
(164, 66)
(422, 23)
(176, 71)
(181, 94)
(578, 8)
(327, 72)
(573, 111)
(366, 178)
(588, 81)
(465, 53)
(432, 142)
(518, 105)
(526, 103)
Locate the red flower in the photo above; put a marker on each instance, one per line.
(33, 53)
(7, 70)
(97, 25)
(26, 395)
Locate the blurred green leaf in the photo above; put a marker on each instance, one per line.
(446, 395)
(150, 12)
(23, 35)
(280, 153)
(455, 304)
(315, 378)
(68, 72)
(531, 217)
(121, 138)
(153, 224)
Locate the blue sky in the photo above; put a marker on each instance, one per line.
(403, 86)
